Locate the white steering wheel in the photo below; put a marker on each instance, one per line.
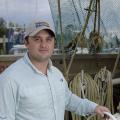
(110, 115)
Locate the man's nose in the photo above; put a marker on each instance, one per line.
(43, 43)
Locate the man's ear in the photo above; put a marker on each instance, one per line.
(26, 41)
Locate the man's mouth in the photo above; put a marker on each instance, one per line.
(43, 50)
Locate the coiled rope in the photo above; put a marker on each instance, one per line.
(104, 82)
(98, 90)
(84, 86)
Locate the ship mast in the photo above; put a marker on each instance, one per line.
(97, 16)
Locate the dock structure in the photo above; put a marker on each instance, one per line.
(89, 63)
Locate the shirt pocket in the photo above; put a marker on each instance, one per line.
(34, 97)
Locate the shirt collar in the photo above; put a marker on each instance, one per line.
(27, 59)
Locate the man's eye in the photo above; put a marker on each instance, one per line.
(49, 39)
(36, 39)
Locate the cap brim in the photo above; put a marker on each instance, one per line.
(39, 29)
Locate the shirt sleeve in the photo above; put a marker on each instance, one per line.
(78, 105)
(8, 91)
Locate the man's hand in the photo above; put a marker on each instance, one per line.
(100, 110)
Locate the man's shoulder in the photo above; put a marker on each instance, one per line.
(8, 74)
(16, 64)
(13, 68)
(55, 69)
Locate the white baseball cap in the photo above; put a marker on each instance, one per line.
(34, 27)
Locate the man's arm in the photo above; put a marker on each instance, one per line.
(8, 91)
(82, 106)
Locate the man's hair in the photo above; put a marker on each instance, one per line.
(50, 32)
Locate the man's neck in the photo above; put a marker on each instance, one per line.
(41, 66)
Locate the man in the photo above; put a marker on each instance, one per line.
(33, 89)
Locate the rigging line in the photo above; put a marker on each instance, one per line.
(81, 34)
(99, 9)
(106, 33)
(77, 13)
(62, 40)
(83, 14)
(81, 9)
(55, 22)
(95, 16)
(92, 9)
(51, 12)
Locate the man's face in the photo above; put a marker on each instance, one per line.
(41, 46)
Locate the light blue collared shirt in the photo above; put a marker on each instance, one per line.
(28, 94)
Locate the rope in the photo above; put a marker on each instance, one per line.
(98, 90)
(83, 85)
(62, 40)
(77, 14)
(80, 36)
(104, 81)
